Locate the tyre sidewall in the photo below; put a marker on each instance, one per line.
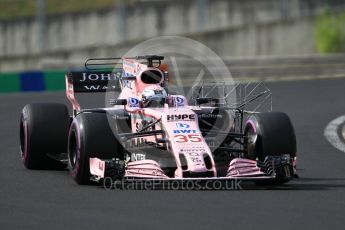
(80, 169)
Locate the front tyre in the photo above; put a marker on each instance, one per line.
(272, 135)
(90, 136)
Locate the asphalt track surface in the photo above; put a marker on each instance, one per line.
(52, 200)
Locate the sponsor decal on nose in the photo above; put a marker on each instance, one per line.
(182, 125)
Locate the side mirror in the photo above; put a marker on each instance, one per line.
(118, 102)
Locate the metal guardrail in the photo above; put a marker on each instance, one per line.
(275, 66)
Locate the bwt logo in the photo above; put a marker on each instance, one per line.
(184, 117)
(179, 101)
(182, 126)
(185, 131)
(133, 102)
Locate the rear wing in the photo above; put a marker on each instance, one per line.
(90, 82)
(96, 64)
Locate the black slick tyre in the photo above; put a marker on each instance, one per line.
(43, 131)
(90, 136)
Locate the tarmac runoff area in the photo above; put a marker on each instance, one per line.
(33, 199)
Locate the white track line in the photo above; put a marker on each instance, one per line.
(331, 133)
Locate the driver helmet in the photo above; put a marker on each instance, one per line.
(154, 96)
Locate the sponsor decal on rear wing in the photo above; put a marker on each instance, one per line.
(90, 82)
(86, 82)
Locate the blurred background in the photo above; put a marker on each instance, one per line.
(256, 38)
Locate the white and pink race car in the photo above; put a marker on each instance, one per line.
(146, 133)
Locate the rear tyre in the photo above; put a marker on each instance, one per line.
(90, 136)
(43, 131)
(271, 134)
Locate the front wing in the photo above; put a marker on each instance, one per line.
(148, 170)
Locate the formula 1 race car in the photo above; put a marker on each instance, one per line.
(147, 133)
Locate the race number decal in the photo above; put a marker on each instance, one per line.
(190, 138)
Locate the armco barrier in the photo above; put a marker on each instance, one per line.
(32, 81)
